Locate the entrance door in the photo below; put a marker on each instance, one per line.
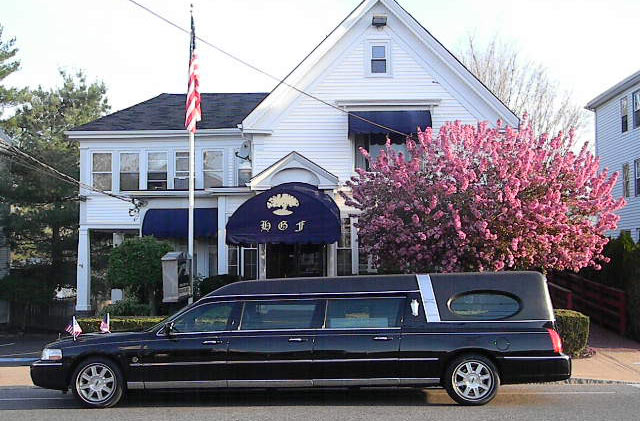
(295, 260)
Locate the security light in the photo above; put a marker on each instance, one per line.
(379, 21)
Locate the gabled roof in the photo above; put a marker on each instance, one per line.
(616, 89)
(301, 77)
(302, 165)
(167, 112)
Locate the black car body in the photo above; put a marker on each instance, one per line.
(467, 332)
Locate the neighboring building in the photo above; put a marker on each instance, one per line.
(5, 254)
(278, 214)
(618, 146)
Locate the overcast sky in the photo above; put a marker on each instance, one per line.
(587, 45)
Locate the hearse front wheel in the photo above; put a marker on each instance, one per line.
(471, 380)
(98, 383)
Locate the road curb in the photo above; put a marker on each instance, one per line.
(579, 380)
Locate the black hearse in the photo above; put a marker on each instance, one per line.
(466, 332)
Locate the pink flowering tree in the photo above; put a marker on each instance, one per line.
(475, 198)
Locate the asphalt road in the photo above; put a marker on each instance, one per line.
(557, 402)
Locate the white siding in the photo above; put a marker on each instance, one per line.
(320, 133)
(614, 149)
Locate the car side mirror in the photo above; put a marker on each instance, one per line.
(168, 328)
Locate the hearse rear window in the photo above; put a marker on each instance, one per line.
(364, 313)
(268, 315)
(484, 305)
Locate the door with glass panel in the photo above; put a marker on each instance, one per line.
(360, 342)
(274, 344)
(195, 352)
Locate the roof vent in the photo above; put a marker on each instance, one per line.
(379, 21)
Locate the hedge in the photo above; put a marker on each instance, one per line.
(119, 324)
(573, 328)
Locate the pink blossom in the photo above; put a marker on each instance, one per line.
(473, 197)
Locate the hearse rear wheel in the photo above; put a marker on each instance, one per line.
(471, 380)
(97, 383)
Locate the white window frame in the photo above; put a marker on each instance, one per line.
(166, 153)
(102, 172)
(350, 248)
(175, 168)
(369, 44)
(120, 153)
(223, 170)
(626, 180)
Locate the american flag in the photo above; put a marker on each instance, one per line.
(104, 324)
(194, 112)
(74, 328)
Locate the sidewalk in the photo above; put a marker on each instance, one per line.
(617, 359)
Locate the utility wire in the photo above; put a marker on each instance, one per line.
(26, 160)
(265, 73)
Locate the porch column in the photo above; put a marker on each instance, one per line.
(332, 259)
(222, 235)
(83, 275)
(262, 261)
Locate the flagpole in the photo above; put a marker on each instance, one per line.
(192, 153)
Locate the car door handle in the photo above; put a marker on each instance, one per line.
(382, 338)
(213, 342)
(298, 339)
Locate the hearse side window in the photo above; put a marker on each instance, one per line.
(268, 315)
(484, 305)
(364, 313)
(205, 318)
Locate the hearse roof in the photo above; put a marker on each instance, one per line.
(325, 285)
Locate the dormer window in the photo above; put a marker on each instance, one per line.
(378, 63)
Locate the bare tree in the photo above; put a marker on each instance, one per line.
(523, 85)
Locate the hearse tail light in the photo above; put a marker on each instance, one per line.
(555, 341)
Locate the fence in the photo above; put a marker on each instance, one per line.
(604, 305)
(53, 316)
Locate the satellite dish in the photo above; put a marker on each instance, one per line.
(245, 150)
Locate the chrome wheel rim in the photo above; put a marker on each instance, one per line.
(96, 383)
(472, 380)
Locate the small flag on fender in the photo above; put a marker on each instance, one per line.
(74, 328)
(105, 324)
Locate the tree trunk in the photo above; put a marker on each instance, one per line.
(56, 252)
(151, 297)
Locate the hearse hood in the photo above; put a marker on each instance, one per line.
(97, 339)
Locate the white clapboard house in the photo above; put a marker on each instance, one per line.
(617, 119)
(269, 165)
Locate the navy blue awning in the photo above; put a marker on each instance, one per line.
(402, 121)
(291, 213)
(174, 223)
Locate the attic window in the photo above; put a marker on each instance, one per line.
(378, 63)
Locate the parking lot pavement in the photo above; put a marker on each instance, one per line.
(16, 350)
(524, 402)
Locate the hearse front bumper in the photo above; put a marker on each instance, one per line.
(529, 369)
(49, 375)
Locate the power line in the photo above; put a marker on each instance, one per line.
(265, 73)
(29, 161)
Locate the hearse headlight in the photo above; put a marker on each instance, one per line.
(51, 354)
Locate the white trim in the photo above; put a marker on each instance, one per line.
(387, 104)
(429, 303)
(137, 134)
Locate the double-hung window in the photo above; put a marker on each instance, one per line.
(213, 169)
(626, 180)
(624, 113)
(378, 54)
(374, 143)
(344, 248)
(157, 171)
(181, 179)
(101, 171)
(129, 171)
(636, 109)
(636, 165)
